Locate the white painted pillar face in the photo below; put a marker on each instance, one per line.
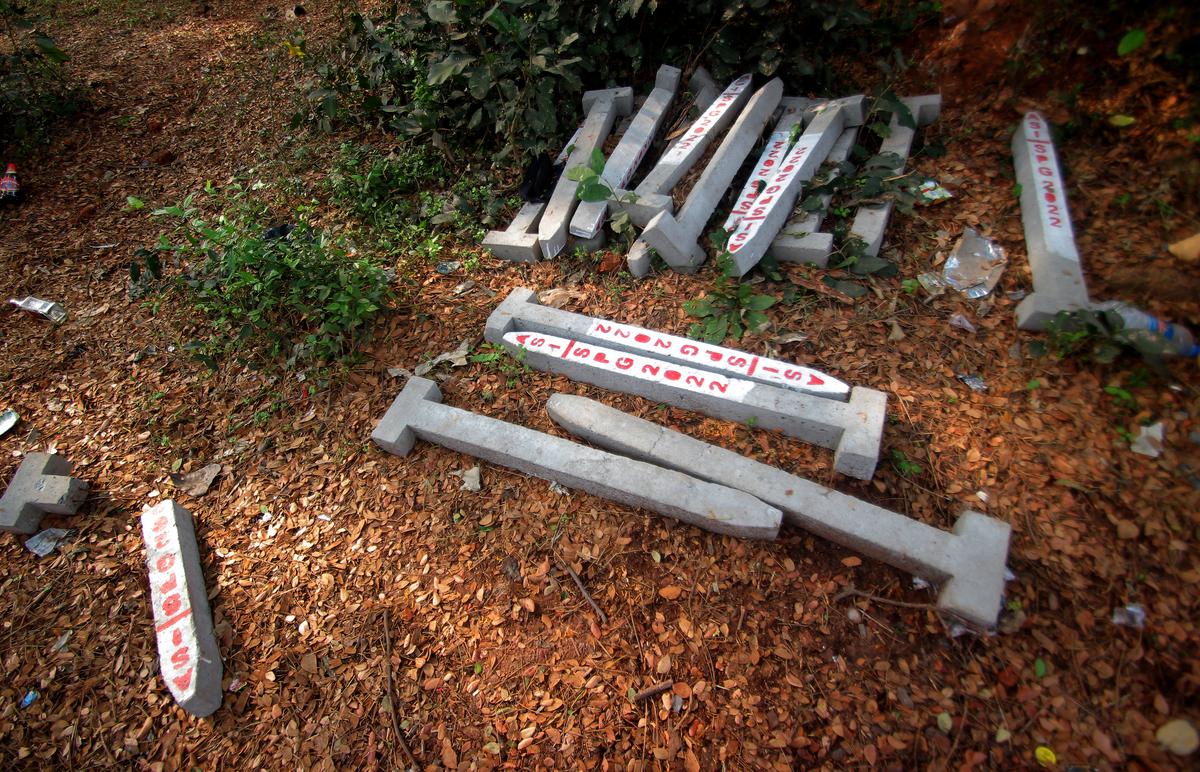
(759, 226)
(1058, 281)
(773, 152)
(677, 239)
(417, 412)
(801, 239)
(628, 154)
(603, 107)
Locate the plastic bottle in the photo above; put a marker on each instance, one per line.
(1178, 339)
(49, 309)
(10, 186)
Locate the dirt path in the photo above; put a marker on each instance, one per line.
(312, 537)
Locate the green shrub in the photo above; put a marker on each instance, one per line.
(304, 297)
(372, 184)
(35, 91)
(512, 72)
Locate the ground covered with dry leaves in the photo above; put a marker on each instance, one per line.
(359, 597)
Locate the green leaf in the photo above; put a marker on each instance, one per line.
(1132, 41)
(441, 11)
(452, 65)
(51, 51)
(757, 322)
(175, 466)
(1121, 121)
(579, 173)
(597, 161)
(593, 190)
(700, 307)
(759, 302)
(1039, 667)
(945, 723)
(134, 202)
(867, 265)
(849, 288)
(717, 329)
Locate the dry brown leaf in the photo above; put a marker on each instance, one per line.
(671, 591)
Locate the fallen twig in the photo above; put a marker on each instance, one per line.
(582, 589)
(387, 664)
(859, 593)
(651, 691)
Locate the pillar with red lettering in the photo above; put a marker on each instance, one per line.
(187, 646)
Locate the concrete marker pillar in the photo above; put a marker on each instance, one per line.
(969, 563)
(801, 239)
(417, 412)
(42, 485)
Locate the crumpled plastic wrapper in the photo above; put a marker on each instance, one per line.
(975, 265)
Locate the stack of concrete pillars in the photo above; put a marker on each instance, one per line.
(677, 239)
(801, 240)
(773, 152)
(870, 222)
(519, 242)
(602, 108)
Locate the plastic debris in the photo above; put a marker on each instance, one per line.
(932, 283)
(29, 698)
(8, 419)
(560, 490)
(1132, 615)
(43, 543)
(962, 322)
(472, 479)
(1149, 441)
(974, 265)
(10, 186)
(198, 481)
(932, 192)
(1045, 757)
(47, 308)
(973, 381)
(448, 266)
(456, 358)
(1166, 338)
(920, 584)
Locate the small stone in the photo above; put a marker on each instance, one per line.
(854, 615)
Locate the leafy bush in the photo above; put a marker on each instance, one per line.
(729, 308)
(35, 92)
(513, 71)
(300, 294)
(371, 184)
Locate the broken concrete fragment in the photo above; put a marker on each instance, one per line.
(704, 87)
(852, 429)
(42, 485)
(870, 222)
(521, 312)
(652, 194)
(602, 108)
(589, 217)
(801, 239)
(1049, 239)
(758, 227)
(188, 655)
(677, 238)
(969, 563)
(773, 152)
(417, 412)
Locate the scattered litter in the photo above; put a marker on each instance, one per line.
(29, 698)
(556, 488)
(559, 296)
(43, 543)
(1009, 576)
(920, 584)
(466, 286)
(198, 481)
(279, 232)
(932, 283)
(982, 496)
(61, 643)
(933, 193)
(1141, 327)
(8, 419)
(236, 685)
(973, 381)
(456, 358)
(47, 308)
(400, 372)
(854, 615)
(1179, 737)
(1015, 295)
(1149, 441)
(975, 265)
(790, 337)
(1132, 615)
(962, 322)
(472, 479)
(446, 267)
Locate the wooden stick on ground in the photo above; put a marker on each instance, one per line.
(651, 691)
(387, 664)
(579, 583)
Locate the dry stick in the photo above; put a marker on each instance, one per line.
(651, 691)
(579, 583)
(387, 634)
(902, 604)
